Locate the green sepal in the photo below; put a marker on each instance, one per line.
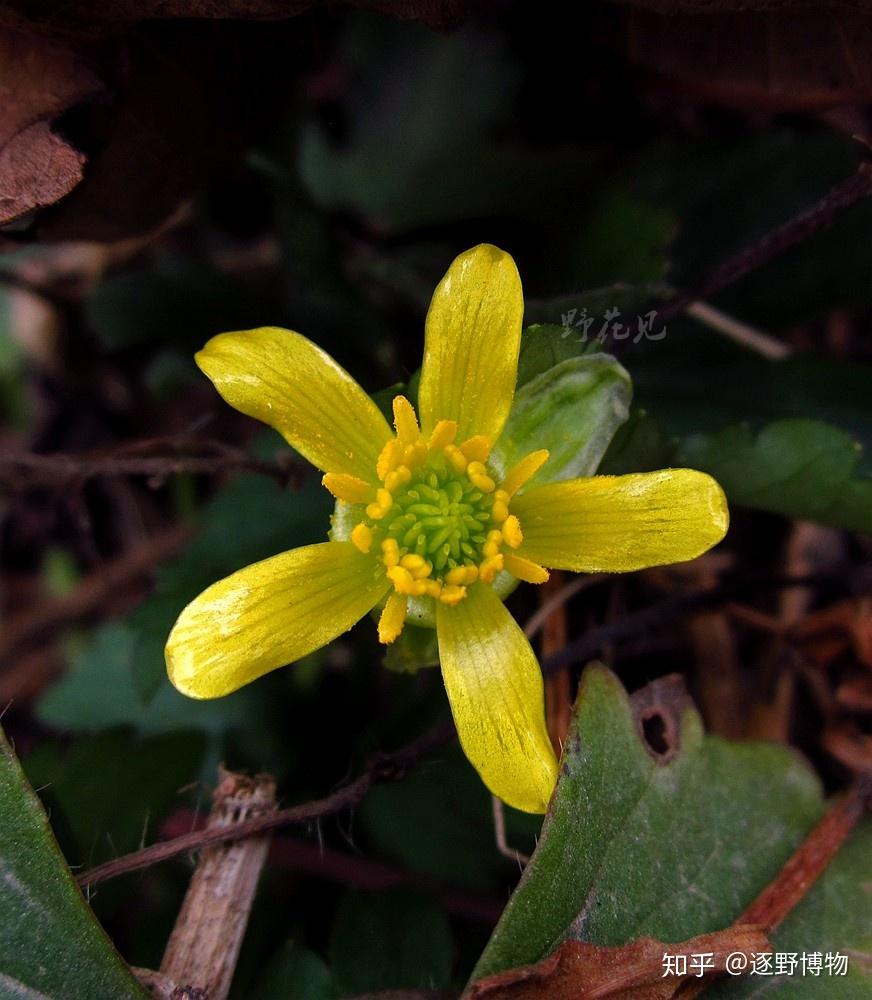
(573, 409)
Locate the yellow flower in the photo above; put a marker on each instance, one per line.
(428, 524)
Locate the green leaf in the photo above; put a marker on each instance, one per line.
(832, 918)
(395, 939)
(573, 410)
(295, 972)
(634, 846)
(801, 468)
(50, 944)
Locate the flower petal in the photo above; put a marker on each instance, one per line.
(270, 614)
(473, 336)
(613, 524)
(288, 382)
(495, 688)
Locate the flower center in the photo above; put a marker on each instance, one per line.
(439, 522)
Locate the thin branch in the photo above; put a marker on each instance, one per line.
(155, 458)
(740, 333)
(383, 768)
(822, 214)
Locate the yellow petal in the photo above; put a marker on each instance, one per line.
(495, 688)
(473, 336)
(288, 382)
(270, 614)
(613, 524)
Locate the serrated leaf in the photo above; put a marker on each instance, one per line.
(51, 947)
(633, 846)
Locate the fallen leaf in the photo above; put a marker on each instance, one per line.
(40, 79)
(578, 970)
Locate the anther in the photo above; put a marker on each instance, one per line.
(456, 458)
(479, 478)
(525, 569)
(392, 619)
(524, 471)
(389, 458)
(361, 537)
(476, 449)
(346, 487)
(405, 421)
(511, 531)
(443, 433)
(452, 594)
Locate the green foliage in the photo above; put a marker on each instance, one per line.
(668, 850)
(393, 939)
(50, 944)
(802, 468)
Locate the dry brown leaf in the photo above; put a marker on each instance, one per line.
(578, 970)
(829, 633)
(40, 79)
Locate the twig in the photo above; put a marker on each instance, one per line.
(204, 946)
(741, 333)
(155, 458)
(383, 768)
(774, 243)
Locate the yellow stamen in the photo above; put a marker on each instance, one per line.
(397, 479)
(490, 567)
(389, 458)
(457, 576)
(525, 569)
(479, 477)
(434, 588)
(361, 537)
(476, 448)
(443, 433)
(384, 500)
(415, 454)
(346, 487)
(416, 565)
(524, 471)
(492, 544)
(512, 534)
(405, 421)
(401, 578)
(392, 619)
(452, 594)
(390, 552)
(500, 508)
(456, 458)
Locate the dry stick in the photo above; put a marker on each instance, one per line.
(383, 768)
(774, 243)
(204, 946)
(26, 469)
